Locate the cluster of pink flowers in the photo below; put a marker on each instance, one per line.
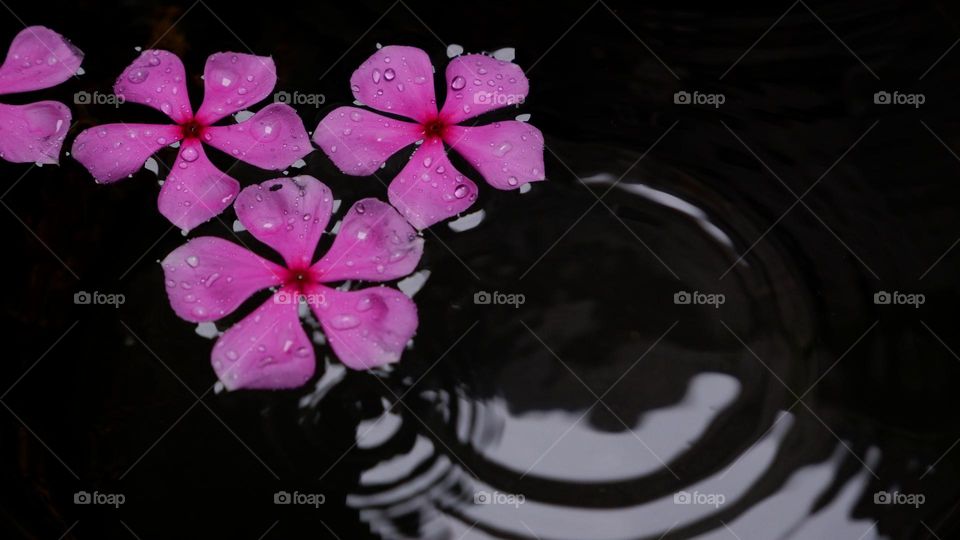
(208, 278)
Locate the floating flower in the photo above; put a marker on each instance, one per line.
(207, 278)
(399, 80)
(195, 190)
(38, 58)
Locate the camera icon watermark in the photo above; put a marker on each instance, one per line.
(298, 98)
(96, 98)
(102, 499)
(496, 497)
(909, 499)
(699, 98)
(712, 499)
(484, 298)
(497, 98)
(304, 499)
(84, 298)
(697, 298)
(897, 298)
(286, 298)
(897, 98)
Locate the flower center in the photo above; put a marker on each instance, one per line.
(434, 128)
(299, 279)
(191, 129)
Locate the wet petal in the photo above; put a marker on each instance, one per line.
(38, 58)
(268, 349)
(374, 243)
(233, 82)
(33, 133)
(156, 78)
(114, 151)
(274, 138)
(429, 189)
(359, 141)
(366, 328)
(195, 191)
(287, 214)
(207, 278)
(477, 84)
(397, 80)
(507, 154)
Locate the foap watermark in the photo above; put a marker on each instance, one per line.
(897, 298)
(96, 98)
(497, 298)
(496, 497)
(96, 298)
(298, 98)
(899, 98)
(699, 98)
(98, 498)
(697, 298)
(285, 297)
(497, 98)
(305, 499)
(711, 499)
(909, 499)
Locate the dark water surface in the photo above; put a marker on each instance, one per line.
(593, 409)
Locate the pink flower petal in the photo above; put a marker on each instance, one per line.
(429, 189)
(374, 243)
(366, 328)
(38, 58)
(33, 133)
(507, 154)
(207, 278)
(115, 151)
(397, 80)
(287, 214)
(359, 141)
(477, 84)
(274, 138)
(268, 349)
(157, 79)
(233, 82)
(195, 191)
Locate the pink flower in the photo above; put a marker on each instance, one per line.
(195, 191)
(207, 278)
(38, 58)
(399, 80)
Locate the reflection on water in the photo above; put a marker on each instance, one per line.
(603, 409)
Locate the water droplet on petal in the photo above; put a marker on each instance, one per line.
(189, 154)
(138, 75)
(344, 321)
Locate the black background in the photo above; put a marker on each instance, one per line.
(93, 389)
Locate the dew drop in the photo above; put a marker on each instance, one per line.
(344, 322)
(189, 154)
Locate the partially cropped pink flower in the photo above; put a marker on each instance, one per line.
(195, 191)
(207, 278)
(38, 58)
(399, 80)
